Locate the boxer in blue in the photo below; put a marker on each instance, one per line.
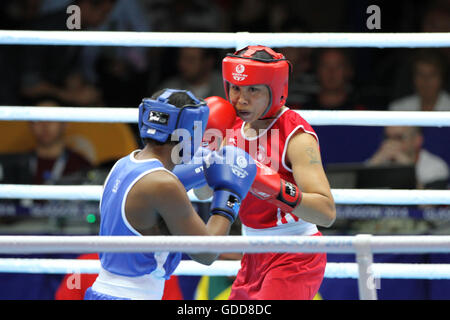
(143, 195)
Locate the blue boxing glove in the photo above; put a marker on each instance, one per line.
(230, 172)
(191, 174)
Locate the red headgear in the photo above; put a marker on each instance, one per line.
(245, 70)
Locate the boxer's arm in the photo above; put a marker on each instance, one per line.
(161, 193)
(317, 205)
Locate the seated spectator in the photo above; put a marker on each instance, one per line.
(334, 73)
(119, 73)
(196, 73)
(404, 145)
(428, 77)
(187, 16)
(50, 160)
(54, 70)
(302, 80)
(88, 75)
(437, 19)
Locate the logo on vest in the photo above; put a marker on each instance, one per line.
(116, 186)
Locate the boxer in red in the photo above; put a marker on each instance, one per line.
(291, 194)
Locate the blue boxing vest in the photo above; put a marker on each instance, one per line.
(125, 173)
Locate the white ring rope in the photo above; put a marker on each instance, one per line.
(314, 117)
(71, 114)
(220, 244)
(224, 40)
(227, 268)
(341, 196)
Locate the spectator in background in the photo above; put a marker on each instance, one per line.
(251, 16)
(196, 73)
(120, 73)
(55, 70)
(302, 80)
(395, 70)
(185, 16)
(437, 19)
(90, 75)
(50, 160)
(428, 76)
(334, 73)
(404, 145)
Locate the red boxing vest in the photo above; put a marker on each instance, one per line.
(269, 147)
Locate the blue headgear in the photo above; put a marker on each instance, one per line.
(158, 119)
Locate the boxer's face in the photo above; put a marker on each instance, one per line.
(250, 102)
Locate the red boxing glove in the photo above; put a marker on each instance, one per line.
(269, 186)
(222, 116)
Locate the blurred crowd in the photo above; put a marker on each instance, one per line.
(333, 78)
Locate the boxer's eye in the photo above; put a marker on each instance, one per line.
(234, 88)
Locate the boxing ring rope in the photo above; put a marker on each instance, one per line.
(227, 268)
(341, 196)
(364, 246)
(314, 117)
(223, 39)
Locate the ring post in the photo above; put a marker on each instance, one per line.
(364, 259)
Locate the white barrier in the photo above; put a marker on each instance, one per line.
(227, 268)
(341, 196)
(224, 40)
(364, 246)
(196, 244)
(314, 117)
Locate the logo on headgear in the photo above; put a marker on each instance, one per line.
(240, 68)
(158, 117)
(238, 75)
